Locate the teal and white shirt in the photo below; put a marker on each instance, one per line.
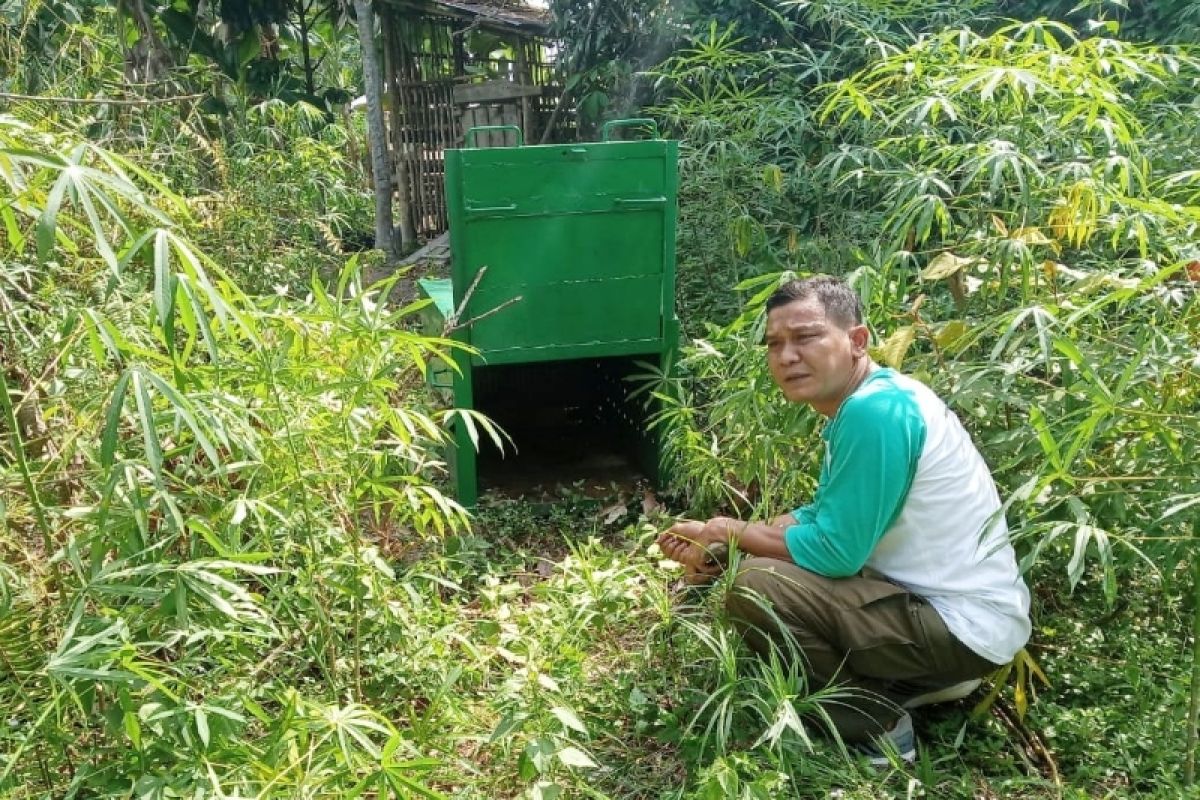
(904, 491)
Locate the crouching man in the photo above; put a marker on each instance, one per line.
(897, 581)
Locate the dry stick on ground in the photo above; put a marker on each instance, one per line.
(1031, 739)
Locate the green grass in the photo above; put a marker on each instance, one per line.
(562, 656)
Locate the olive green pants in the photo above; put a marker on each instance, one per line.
(881, 643)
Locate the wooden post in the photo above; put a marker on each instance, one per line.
(395, 62)
(524, 77)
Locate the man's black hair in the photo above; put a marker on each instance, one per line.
(840, 302)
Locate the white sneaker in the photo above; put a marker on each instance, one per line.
(899, 742)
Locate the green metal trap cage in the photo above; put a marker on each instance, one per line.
(563, 282)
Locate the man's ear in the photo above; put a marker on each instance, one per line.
(860, 338)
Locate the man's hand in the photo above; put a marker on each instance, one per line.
(683, 542)
(691, 544)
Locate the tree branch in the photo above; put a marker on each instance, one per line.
(77, 101)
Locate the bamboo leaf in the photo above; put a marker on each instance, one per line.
(201, 725)
(1083, 536)
(145, 411)
(99, 235)
(1020, 695)
(47, 224)
(108, 442)
(186, 411)
(1184, 504)
(164, 290)
(998, 679)
(1024, 656)
(1046, 439)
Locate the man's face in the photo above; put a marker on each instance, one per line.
(812, 358)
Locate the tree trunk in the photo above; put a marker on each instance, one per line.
(376, 134)
(148, 59)
(310, 83)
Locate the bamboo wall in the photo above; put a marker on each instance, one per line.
(425, 58)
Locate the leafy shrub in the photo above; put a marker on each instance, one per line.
(206, 484)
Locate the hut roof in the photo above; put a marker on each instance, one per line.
(516, 16)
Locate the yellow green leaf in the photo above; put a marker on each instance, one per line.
(895, 347)
(773, 177)
(1034, 669)
(950, 333)
(944, 265)
(743, 231)
(1035, 236)
(1020, 696)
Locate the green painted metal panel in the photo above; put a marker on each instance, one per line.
(525, 250)
(570, 313)
(547, 180)
(560, 252)
(530, 218)
(441, 292)
(566, 352)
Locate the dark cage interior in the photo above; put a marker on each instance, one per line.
(574, 424)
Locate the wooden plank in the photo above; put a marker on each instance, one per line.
(494, 91)
(436, 252)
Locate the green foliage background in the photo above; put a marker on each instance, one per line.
(229, 570)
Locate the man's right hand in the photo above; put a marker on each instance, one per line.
(682, 543)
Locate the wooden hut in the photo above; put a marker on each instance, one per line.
(453, 64)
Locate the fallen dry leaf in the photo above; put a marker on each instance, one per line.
(614, 512)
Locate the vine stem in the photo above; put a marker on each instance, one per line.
(1189, 766)
(10, 419)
